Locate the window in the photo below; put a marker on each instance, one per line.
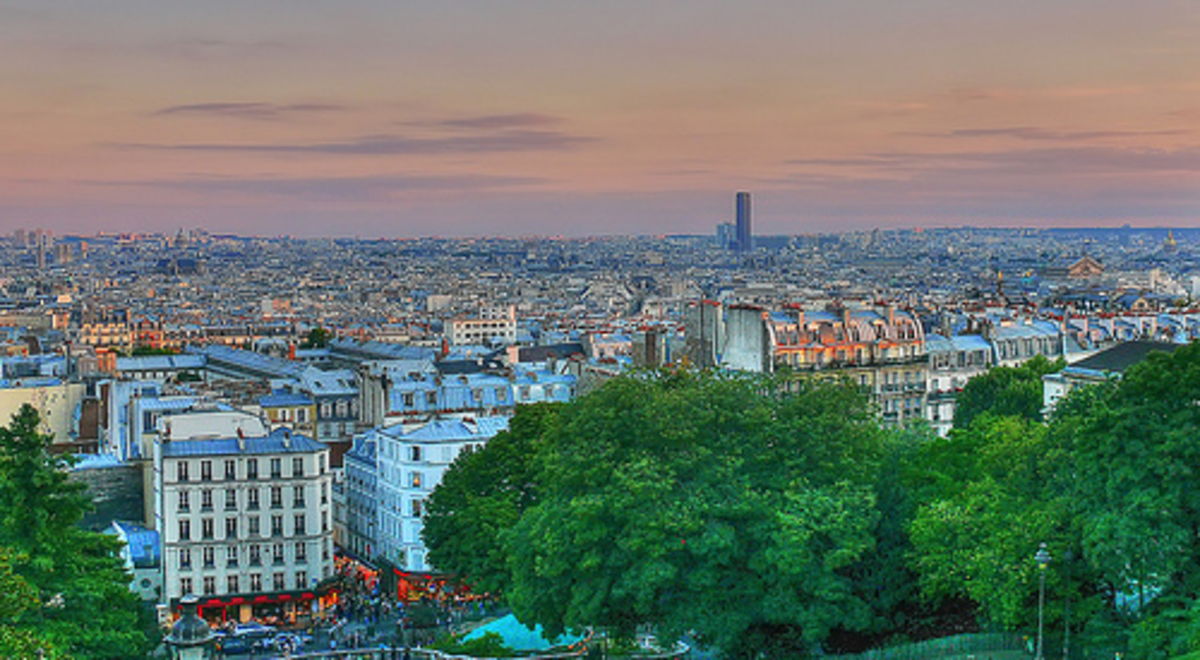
(231, 584)
(416, 508)
(277, 582)
(277, 553)
(184, 501)
(414, 479)
(230, 470)
(324, 521)
(185, 558)
(231, 528)
(409, 400)
(414, 454)
(297, 497)
(252, 499)
(302, 415)
(301, 553)
(206, 528)
(206, 499)
(181, 471)
(254, 526)
(252, 468)
(185, 586)
(205, 470)
(210, 585)
(325, 552)
(321, 463)
(276, 525)
(324, 493)
(298, 466)
(298, 529)
(230, 499)
(185, 530)
(231, 559)
(431, 399)
(209, 560)
(276, 497)
(276, 468)
(301, 579)
(255, 582)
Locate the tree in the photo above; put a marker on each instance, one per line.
(85, 604)
(728, 505)
(1138, 480)
(482, 495)
(317, 338)
(1005, 391)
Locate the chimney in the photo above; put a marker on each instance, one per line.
(287, 439)
(292, 351)
(241, 439)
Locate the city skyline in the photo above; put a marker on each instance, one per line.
(590, 119)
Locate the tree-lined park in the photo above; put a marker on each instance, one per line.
(773, 517)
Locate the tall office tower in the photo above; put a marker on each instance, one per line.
(745, 242)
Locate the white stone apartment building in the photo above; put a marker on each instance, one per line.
(409, 466)
(245, 523)
(491, 326)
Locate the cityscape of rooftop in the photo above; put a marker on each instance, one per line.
(669, 330)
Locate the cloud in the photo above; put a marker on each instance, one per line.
(1059, 161)
(498, 122)
(259, 111)
(338, 189)
(1044, 134)
(391, 145)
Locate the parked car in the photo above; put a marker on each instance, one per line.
(234, 645)
(252, 628)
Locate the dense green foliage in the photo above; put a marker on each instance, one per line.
(717, 504)
(773, 518)
(490, 645)
(74, 594)
(1005, 391)
(317, 338)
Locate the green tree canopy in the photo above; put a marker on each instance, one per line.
(482, 495)
(317, 338)
(84, 604)
(727, 505)
(1005, 391)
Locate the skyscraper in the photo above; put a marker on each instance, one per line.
(745, 241)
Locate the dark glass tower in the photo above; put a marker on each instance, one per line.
(745, 242)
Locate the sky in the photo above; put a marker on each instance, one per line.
(590, 117)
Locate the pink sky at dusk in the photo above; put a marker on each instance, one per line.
(379, 118)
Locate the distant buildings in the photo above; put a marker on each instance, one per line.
(745, 239)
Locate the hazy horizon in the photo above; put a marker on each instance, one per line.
(476, 118)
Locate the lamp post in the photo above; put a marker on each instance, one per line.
(190, 636)
(1042, 558)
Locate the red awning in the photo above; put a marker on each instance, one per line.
(262, 599)
(308, 596)
(237, 601)
(213, 603)
(284, 597)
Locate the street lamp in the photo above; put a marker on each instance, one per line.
(1042, 558)
(190, 636)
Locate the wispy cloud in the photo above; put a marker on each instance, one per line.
(333, 189)
(498, 122)
(1060, 161)
(257, 111)
(392, 145)
(1045, 134)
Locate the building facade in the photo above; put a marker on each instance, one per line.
(245, 523)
